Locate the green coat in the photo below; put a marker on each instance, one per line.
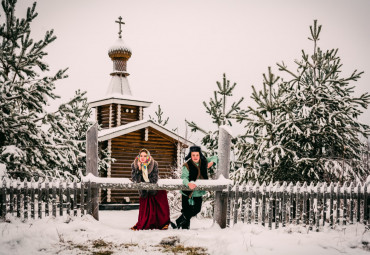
(185, 177)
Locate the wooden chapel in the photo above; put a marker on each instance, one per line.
(125, 132)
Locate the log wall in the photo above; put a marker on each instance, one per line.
(128, 114)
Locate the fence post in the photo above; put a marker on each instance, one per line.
(224, 147)
(92, 166)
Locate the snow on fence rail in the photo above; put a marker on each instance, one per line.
(163, 184)
(312, 206)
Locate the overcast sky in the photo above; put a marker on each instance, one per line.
(181, 48)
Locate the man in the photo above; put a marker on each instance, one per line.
(194, 168)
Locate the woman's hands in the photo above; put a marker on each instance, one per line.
(192, 185)
(139, 165)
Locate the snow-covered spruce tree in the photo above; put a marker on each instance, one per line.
(34, 142)
(261, 149)
(317, 133)
(222, 113)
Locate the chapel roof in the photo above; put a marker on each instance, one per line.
(106, 134)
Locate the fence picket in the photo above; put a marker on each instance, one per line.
(345, 191)
(318, 205)
(68, 198)
(311, 199)
(82, 199)
(283, 205)
(32, 199)
(263, 218)
(338, 203)
(351, 203)
(257, 203)
(298, 204)
(54, 199)
(244, 190)
(331, 205)
(39, 200)
(75, 198)
(249, 203)
(291, 202)
(19, 192)
(304, 213)
(60, 195)
(47, 196)
(25, 200)
(366, 211)
(3, 199)
(277, 205)
(236, 203)
(11, 198)
(324, 206)
(358, 218)
(271, 197)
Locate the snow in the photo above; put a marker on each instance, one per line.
(77, 235)
(3, 171)
(227, 129)
(119, 45)
(368, 180)
(161, 182)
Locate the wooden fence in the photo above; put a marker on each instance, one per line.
(43, 198)
(271, 205)
(313, 206)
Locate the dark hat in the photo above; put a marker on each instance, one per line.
(195, 149)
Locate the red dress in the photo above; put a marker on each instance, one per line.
(154, 212)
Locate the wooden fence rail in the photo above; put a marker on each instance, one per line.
(313, 206)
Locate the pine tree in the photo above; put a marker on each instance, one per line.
(260, 154)
(34, 142)
(221, 114)
(315, 132)
(159, 118)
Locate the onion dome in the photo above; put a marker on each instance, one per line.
(119, 50)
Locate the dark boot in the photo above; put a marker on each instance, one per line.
(180, 221)
(186, 224)
(173, 225)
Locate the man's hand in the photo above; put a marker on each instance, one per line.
(210, 164)
(192, 185)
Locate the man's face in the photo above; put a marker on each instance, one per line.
(195, 156)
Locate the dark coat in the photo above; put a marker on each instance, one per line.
(196, 172)
(137, 176)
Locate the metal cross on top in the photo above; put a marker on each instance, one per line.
(119, 21)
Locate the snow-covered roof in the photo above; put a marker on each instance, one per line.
(119, 46)
(119, 92)
(111, 133)
(119, 85)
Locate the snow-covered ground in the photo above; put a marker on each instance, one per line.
(111, 235)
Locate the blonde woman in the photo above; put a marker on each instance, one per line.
(154, 212)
